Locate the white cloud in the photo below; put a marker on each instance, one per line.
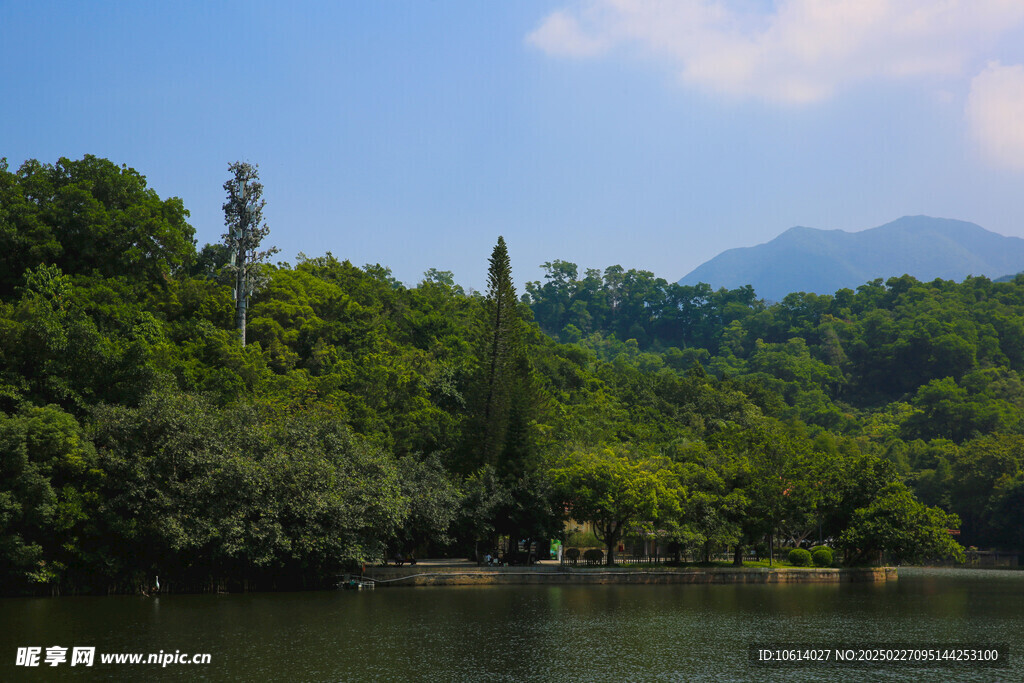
(798, 52)
(562, 34)
(995, 114)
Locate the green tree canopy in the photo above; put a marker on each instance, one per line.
(615, 492)
(86, 216)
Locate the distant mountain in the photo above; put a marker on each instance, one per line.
(823, 261)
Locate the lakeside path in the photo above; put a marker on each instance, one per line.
(466, 573)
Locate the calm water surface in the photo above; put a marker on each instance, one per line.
(615, 633)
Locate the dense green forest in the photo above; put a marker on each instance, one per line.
(363, 417)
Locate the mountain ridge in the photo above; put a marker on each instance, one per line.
(804, 259)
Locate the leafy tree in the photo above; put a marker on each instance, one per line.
(89, 215)
(851, 481)
(484, 497)
(615, 493)
(528, 513)
(73, 343)
(778, 477)
(434, 501)
(344, 495)
(1005, 511)
(982, 482)
(48, 481)
(710, 513)
(901, 527)
(945, 410)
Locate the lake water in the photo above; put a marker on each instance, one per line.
(505, 633)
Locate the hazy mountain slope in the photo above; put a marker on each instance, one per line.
(822, 261)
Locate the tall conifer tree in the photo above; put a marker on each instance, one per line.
(502, 339)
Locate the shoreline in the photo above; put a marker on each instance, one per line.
(391, 577)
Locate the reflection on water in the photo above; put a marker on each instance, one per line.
(501, 633)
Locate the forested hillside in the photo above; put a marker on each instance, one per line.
(139, 437)
(924, 374)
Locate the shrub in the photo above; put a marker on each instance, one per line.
(573, 555)
(799, 557)
(593, 556)
(822, 556)
(583, 539)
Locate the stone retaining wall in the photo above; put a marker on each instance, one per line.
(394, 577)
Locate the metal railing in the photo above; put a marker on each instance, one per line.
(630, 559)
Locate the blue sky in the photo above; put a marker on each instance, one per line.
(650, 134)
